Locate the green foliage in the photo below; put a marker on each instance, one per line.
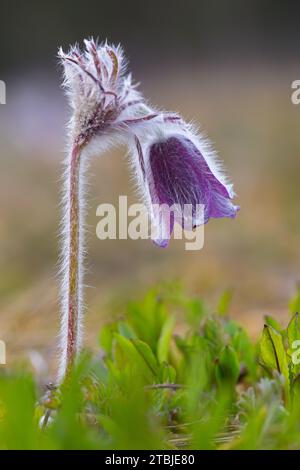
(228, 367)
(173, 375)
(273, 355)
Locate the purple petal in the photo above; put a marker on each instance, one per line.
(181, 175)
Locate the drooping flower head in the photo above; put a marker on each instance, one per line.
(174, 165)
(178, 168)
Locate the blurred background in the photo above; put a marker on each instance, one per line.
(226, 65)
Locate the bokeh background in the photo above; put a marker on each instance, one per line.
(227, 65)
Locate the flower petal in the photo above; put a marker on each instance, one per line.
(180, 175)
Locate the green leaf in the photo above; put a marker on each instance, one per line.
(272, 322)
(164, 340)
(293, 330)
(147, 318)
(146, 353)
(106, 337)
(17, 400)
(167, 373)
(296, 391)
(245, 351)
(273, 355)
(127, 356)
(228, 367)
(195, 310)
(293, 336)
(137, 354)
(126, 330)
(213, 334)
(231, 327)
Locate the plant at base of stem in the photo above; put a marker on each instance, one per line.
(172, 165)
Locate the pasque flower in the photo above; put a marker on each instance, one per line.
(172, 164)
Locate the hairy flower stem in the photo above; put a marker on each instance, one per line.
(71, 305)
(74, 258)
